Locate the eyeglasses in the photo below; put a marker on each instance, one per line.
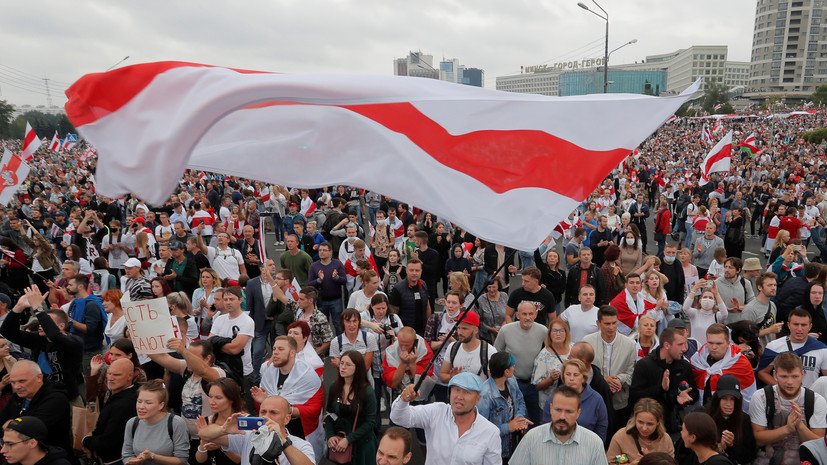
(10, 444)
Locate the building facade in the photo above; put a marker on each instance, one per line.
(789, 48)
(417, 64)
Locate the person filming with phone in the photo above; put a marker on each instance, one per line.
(269, 443)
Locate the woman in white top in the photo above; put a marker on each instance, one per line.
(203, 297)
(116, 326)
(360, 300)
(645, 338)
(546, 373)
(702, 311)
(613, 218)
(654, 293)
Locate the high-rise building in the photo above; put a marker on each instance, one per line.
(419, 65)
(789, 49)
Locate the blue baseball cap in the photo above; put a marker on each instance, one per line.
(5, 299)
(467, 381)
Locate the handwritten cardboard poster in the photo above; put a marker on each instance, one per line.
(150, 325)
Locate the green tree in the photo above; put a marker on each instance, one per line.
(716, 95)
(820, 95)
(44, 124)
(6, 111)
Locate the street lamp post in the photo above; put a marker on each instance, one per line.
(605, 17)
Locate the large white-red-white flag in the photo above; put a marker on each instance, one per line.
(718, 159)
(13, 171)
(30, 143)
(55, 145)
(507, 167)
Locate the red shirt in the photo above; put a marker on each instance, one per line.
(790, 224)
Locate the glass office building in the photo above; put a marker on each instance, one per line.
(628, 82)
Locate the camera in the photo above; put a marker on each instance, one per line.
(385, 329)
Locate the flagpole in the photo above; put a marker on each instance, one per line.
(462, 314)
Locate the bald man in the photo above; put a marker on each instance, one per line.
(40, 398)
(106, 440)
(276, 412)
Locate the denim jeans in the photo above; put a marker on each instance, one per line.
(278, 226)
(532, 402)
(526, 258)
(479, 280)
(260, 345)
(333, 310)
(690, 231)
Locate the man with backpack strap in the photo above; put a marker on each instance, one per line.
(735, 291)
(787, 414)
(469, 353)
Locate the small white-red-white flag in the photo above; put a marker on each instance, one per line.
(13, 172)
(308, 206)
(718, 159)
(30, 143)
(55, 144)
(293, 290)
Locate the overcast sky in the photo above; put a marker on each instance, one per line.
(64, 40)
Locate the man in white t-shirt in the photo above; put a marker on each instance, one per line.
(276, 412)
(225, 325)
(783, 427)
(467, 356)
(582, 318)
(813, 352)
(227, 262)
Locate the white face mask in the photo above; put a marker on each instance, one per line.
(382, 221)
(630, 241)
(707, 303)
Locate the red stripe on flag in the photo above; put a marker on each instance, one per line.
(262, 249)
(502, 160)
(94, 97)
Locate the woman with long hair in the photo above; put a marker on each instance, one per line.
(546, 372)
(690, 271)
(142, 250)
(645, 336)
(44, 261)
(553, 275)
(146, 436)
(478, 264)
(458, 281)
(394, 271)
(502, 403)
(653, 290)
(225, 400)
(631, 256)
(351, 411)
(779, 244)
(360, 300)
(181, 309)
(116, 323)
(613, 218)
(645, 433)
(734, 426)
(615, 279)
(491, 308)
(704, 309)
(160, 287)
(700, 434)
(593, 412)
(204, 296)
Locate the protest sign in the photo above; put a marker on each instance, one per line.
(150, 325)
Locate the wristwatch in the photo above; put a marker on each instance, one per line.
(287, 443)
(71, 321)
(152, 456)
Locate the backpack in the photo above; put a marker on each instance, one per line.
(483, 356)
(169, 427)
(364, 339)
(231, 364)
(744, 285)
(809, 404)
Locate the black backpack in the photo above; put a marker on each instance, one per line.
(483, 356)
(231, 364)
(169, 426)
(809, 404)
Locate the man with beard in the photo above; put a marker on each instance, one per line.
(298, 383)
(562, 441)
(469, 353)
(455, 433)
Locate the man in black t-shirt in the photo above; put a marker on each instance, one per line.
(531, 291)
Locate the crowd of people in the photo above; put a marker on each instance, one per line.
(597, 347)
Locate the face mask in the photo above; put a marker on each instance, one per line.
(383, 221)
(668, 259)
(630, 241)
(707, 303)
